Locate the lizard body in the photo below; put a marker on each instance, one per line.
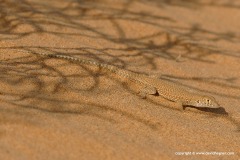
(168, 90)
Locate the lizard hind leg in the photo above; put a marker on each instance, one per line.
(147, 90)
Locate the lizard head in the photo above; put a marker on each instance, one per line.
(203, 101)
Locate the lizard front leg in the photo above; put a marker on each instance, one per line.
(147, 90)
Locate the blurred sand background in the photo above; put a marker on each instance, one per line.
(56, 109)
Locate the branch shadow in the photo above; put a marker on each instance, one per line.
(29, 70)
(196, 4)
(76, 15)
(226, 83)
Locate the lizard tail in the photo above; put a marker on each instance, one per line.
(108, 67)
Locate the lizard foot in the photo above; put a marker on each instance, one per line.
(146, 91)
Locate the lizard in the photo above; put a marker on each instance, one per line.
(152, 86)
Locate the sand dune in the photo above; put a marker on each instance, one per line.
(56, 109)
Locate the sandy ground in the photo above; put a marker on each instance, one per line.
(56, 109)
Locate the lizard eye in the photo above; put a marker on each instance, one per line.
(198, 101)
